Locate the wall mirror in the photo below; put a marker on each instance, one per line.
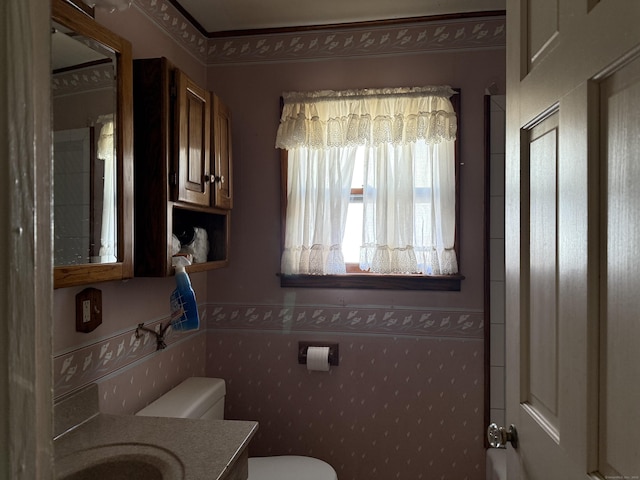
(92, 150)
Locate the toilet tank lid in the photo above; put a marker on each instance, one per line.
(190, 399)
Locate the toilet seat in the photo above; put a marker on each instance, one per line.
(290, 467)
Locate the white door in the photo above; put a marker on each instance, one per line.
(573, 238)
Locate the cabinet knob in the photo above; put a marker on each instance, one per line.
(212, 178)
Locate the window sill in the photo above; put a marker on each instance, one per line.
(451, 283)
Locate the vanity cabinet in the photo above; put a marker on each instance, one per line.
(182, 151)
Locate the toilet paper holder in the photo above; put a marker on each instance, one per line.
(333, 351)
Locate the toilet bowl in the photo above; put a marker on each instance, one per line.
(202, 397)
(290, 467)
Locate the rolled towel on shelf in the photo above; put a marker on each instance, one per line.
(195, 241)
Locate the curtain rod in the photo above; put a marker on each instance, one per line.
(326, 95)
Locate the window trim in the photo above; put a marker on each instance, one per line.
(374, 281)
(364, 280)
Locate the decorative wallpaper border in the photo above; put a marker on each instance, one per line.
(436, 36)
(98, 77)
(76, 368)
(363, 321)
(168, 17)
(403, 39)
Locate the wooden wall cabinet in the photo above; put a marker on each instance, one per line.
(182, 149)
(222, 155)
(192, 128)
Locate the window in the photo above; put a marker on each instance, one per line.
(370, 186)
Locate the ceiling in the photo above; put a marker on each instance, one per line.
(215, 16)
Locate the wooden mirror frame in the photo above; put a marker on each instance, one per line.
(72, 275)
(80, 5)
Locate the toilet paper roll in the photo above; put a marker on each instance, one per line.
(318, 359)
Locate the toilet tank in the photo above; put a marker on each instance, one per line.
(196, 397)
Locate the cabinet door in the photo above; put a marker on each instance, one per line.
(222, 195)
(192, 114)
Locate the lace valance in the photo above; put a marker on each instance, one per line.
(396, 116)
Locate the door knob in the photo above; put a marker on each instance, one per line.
(499, 436)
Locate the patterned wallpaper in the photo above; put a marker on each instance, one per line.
(437, 36)
(88, 363)
(397, 406)
(115, 354)
(132, 389)
(405, 402)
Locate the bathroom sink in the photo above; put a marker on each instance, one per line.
(120, 462)
(118, 469)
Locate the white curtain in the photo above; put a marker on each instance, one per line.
(106, 152)
(319, 186)
(409, 209)
(408, 137)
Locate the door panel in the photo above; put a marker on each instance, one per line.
(542, 28)
(620, 362)
(542, 362)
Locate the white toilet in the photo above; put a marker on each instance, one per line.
(201, 397)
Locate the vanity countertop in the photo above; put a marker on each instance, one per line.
(206, 449)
